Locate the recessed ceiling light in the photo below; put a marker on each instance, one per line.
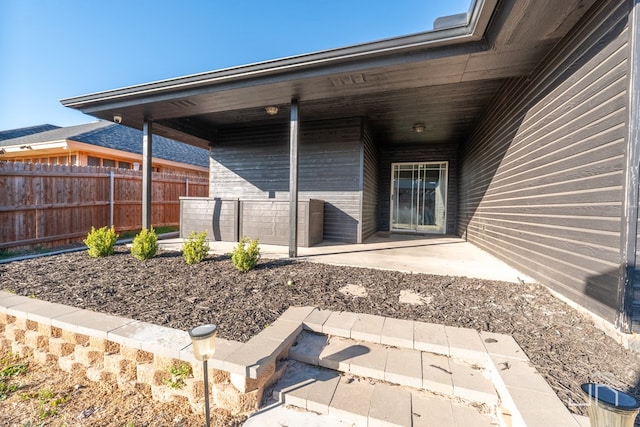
(419, 127)
(271, 110)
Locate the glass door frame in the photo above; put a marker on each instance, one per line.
(416, 230)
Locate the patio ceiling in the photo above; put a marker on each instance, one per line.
(444, 79)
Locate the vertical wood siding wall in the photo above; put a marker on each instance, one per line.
(53, 204)
(418, 153)
(542, 176)
(253, 163)
(370, 188)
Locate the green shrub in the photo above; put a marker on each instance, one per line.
(195, 248)
(178, 374)
(145, 244)
(101, 241)
(246, 255)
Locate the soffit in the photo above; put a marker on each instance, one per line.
(447, 87)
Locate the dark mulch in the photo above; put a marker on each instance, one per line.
(562, 343)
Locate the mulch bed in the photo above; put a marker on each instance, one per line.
(562, 343)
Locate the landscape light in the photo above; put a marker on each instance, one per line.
(203, 340)
(610, 407)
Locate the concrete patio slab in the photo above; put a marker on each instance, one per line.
(502, 345)
(367, 327)
(397, 332)
(404, 366)
(442, 255)
(436, 373)
(308, 347)
(431, 411)
(352, 400)
(338, 352)
(465, 343)
(390, 406)
(321, 392)
(540, 409)
(370, 364)
(470, 416)
(315, 320)
(430, 337)
(339, 323)
(278, 415)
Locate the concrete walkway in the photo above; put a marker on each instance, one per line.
(442, 255)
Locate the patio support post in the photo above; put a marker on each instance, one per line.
(629, 226)
(146, 173)
(293, 180)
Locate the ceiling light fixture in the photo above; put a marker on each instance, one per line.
(271, 110)
(419, 127)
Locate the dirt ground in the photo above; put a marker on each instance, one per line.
(562, 343)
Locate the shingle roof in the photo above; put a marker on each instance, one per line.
(55, 134)
(16, 133)
(124, 138)
(118, 137)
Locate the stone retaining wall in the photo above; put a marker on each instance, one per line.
(101, 359)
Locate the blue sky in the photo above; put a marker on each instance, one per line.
(54, 49)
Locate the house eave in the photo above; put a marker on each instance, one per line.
(479, 17)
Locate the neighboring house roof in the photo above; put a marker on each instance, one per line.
(117, 137)
(16, 133)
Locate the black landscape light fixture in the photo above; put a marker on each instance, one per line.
(610, 407)
(203, 340)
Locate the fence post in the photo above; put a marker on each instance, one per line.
(111, 196)
(187, 184)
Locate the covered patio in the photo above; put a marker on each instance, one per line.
(442, 255)
(511, 126)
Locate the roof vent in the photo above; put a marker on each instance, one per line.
(451, 21)
(184, 103)
(348, 80)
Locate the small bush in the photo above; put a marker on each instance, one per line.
(145, 244)
(101, 241)
(246, 255)
(177, 375)
(195, 248)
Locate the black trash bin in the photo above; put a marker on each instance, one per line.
(609, 407)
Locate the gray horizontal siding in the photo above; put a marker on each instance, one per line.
(541, 178)
(370, 190)
(253, 163)
(418, 153)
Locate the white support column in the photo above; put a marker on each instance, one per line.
(293, 180)
(146, 173)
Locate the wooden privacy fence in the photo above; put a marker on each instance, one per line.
(52, 205)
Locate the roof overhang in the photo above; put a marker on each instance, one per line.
(392, 82)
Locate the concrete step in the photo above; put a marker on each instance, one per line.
(367, 402)
(401, 366)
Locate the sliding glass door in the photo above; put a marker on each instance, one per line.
(419, 197)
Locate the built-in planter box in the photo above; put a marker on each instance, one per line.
(218, 217)
(266, 220)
